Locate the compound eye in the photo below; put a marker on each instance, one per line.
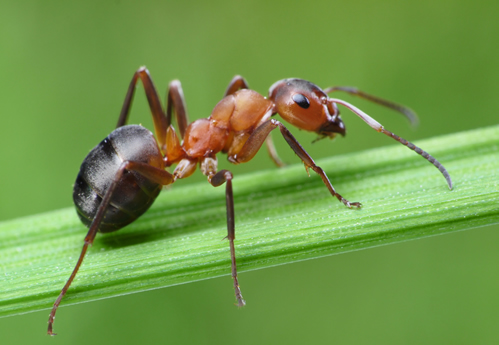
(301, 100)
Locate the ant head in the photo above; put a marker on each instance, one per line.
(306, 106)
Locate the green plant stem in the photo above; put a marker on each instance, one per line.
(282, 216)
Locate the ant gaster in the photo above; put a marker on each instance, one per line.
(122, 176)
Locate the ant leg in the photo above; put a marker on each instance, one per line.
(88, 241)
(175, 101)
(407, 112)
(221, 177)
(273, 152)
(236, 84)
(157, 175)
(158, 116)
(209, 167)
(256, 139)
(173, 149)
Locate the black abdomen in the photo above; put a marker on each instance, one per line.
(133, 194)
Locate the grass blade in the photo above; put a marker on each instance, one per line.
(282, 216)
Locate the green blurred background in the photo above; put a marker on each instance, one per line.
(65, 69)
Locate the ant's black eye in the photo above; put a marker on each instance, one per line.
(301, 100)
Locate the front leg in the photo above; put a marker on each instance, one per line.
(260, 134)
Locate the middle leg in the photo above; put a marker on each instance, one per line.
(209, 168)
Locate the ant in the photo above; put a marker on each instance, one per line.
(122, 176)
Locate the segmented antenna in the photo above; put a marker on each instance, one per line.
(379, 128)
(421, 152)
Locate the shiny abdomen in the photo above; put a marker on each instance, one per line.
(133, 194)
